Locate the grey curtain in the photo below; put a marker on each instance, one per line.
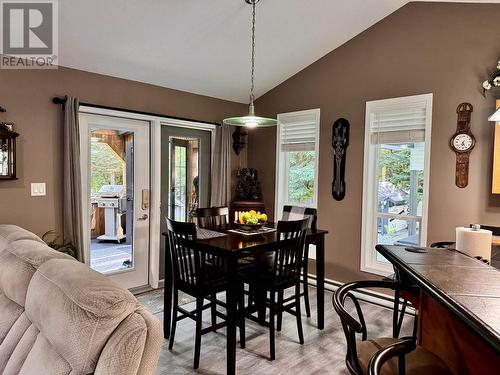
(72, 181)
(221, 167)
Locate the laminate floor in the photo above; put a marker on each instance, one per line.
(322, 353)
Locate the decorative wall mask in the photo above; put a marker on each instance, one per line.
(340, 141)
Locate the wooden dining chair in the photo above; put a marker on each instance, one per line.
(210, 218)
(213, 217)
(382, 355)
(202, 274)
(277, 275)
(311, 215)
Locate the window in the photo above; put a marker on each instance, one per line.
(396, 176)
(297, 160)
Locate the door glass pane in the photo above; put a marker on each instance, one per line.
(184, 193)
(111, 200)
(180, 183)
(301, 171)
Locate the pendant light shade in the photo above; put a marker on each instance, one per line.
(250, 120)
(495, 116)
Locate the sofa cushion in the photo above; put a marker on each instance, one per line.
(20, 259)
(9, 313)
(10, 233)
(14, 337)
(42, 359)
(76, 309)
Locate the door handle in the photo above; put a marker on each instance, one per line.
(143, 217)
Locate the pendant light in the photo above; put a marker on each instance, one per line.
(495, 116)
(250, 120)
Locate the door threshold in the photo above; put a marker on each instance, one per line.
(140, 289)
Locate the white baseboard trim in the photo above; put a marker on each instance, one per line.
(365, 295)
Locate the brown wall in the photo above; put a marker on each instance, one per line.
(27, 95)
(444, 49)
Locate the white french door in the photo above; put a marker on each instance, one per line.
(115, 162)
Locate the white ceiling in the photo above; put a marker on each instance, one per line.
(203, 46)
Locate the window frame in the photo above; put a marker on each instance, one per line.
(369, 229)
(281, 195)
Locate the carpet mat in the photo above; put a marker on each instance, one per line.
(153, 300)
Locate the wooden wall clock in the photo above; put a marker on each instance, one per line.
(462, 142)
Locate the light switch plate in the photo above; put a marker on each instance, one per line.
(38, 189)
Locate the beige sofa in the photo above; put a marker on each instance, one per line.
(57, 316)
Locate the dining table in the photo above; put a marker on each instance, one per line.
(234, 245)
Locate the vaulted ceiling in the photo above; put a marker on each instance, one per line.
(203, 46)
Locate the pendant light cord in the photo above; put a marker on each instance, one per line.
(253, 53)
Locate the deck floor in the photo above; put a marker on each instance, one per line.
(109, 256)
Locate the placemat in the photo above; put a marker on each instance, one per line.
(262, 230)
(205, 234)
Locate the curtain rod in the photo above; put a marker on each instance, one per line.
(61, 101)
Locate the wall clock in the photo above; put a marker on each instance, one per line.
(462, 142)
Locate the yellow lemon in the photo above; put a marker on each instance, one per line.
(244, 217)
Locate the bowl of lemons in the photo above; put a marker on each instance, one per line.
(250, 220)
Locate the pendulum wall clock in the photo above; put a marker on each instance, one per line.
(462, 142)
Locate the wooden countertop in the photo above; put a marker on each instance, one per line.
(466, 287)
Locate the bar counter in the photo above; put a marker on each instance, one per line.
(458, 307)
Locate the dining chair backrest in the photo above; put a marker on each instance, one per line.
(192, 262)
(289, 255)
(297, 213)
(183, 252)
(210, 218)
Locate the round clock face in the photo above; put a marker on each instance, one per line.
(462, 142)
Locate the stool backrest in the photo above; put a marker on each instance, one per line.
(297, 213)
(289, 254)
(182, 251)
(210, 218)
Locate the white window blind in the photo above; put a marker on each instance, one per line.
(398, 123)
(298, 131)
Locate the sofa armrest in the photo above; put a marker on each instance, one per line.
(133, 348)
